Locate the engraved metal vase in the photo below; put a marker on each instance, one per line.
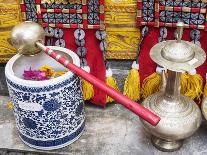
(204, 107)
(180, 116)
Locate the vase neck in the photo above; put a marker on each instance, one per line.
(172, 89)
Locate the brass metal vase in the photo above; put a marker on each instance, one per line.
(180, 116)
(204, 107)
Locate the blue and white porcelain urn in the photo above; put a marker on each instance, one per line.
(49, 114)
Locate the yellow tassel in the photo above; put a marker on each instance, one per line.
(192, 85)
(205, 88)
(111, 82)
(132, 84)
(88, 91)
(151, 84)
(198, 85)
(184, 79)
(87, 88)
(10, 105)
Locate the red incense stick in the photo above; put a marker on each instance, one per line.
(133, 106)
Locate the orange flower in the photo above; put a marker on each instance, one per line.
(48, 70)
(59, 73)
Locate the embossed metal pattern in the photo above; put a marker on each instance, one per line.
(204, 107)
(86, 14)
(178, 55)
(169, 12)
(180, 116)
(198, 59)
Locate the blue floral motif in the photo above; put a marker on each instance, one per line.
(29, 123)
(51, 105)
(61, 118)
(41, 89)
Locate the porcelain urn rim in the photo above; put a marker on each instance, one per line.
(10, 73)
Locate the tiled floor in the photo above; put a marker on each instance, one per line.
(110, 131)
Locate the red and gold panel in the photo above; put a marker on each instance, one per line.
(168, 12)
(86, 14)
(72, 24)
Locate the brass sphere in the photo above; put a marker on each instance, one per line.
(24, 37)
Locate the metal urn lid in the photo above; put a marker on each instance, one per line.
(178, 55)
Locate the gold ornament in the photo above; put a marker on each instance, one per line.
(6, 50)
(122, 43)
(9, 16)
(122, 34)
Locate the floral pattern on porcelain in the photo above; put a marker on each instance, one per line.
(62, 111)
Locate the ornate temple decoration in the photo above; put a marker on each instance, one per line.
(62, 1)
(86, 14)
(122, 32)
(81, 51)
(169, 12)
(56, 15)
(66, 22)
(9, 16)
(195, 37)
(55, 37)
